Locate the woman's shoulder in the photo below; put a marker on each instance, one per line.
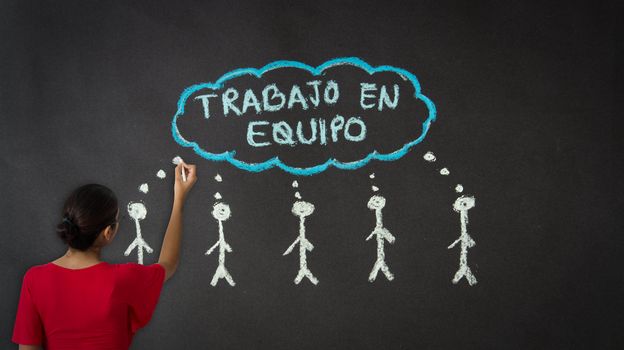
(35, 270)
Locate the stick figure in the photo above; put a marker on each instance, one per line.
(302, 209)
(138, 212)
(377, 203)
(462, 205)
(221, 212)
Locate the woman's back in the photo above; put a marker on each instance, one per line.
(97, 307)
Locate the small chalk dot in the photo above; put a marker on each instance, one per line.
(372, 176)
(217, 195)
(144, 188)
(161, 174)
(297, 195)
(375, 188)
(444, 171)
(218, 178)
(459, 188)
(295, 184)
(176, 160)
(430, 157)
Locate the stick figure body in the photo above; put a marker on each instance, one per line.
(377, 203)
(302, 209)
(138, 212)
(462, 205)
(221, 212)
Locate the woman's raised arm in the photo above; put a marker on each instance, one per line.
(170, 251)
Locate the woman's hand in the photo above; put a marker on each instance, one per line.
(181, 188)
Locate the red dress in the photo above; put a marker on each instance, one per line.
(98, 307)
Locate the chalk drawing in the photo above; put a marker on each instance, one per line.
(295, 184)
(459, 188)
(217, 195)
(444, 171)
(210, 88)
(462, 205)
(377, 203)
(221, 212)
(144, 188)
(138, 212)
(375, 188)
(218, 178)
(372, 176)
(302, 209)
(297, 195)
(430, 157)
(161, 174)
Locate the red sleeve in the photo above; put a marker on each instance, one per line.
(28, 329)
(140, 288)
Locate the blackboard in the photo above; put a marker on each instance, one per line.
(525, 100)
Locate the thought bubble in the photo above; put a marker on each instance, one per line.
(304, 119)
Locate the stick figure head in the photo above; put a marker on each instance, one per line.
(463, 203)
(302, 208)
(137, 210)
(376, 202)
(221, 211)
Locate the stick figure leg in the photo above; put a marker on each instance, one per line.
(386, 271)
(229, 278)
(373, 274)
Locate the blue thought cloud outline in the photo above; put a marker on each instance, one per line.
(315, 71)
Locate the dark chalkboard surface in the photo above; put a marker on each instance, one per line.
(524, 98)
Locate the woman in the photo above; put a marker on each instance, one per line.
(80, 302)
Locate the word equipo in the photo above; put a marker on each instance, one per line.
(271, 98)
(318, 131)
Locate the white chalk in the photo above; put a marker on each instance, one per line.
(297, 195)
(377, 203)
(177, 160)
(372, 176)
(430, 157)
(295, 184)
(444, 171)
(217, 195)
(459, 188)
(375, 188)
(218, 178)
(161, 174)
(144, 188)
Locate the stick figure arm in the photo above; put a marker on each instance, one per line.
(371, 235)
(308, 245)
(291, 247)
(212, 248)
(228, 248)
(388, 236)
(454, 243)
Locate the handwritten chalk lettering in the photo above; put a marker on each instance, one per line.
(206, 103)
(282, 133)
(367, 93)
(273, 99)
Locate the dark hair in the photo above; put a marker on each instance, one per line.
(87, 211)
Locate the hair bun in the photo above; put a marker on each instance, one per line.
(68, 230)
